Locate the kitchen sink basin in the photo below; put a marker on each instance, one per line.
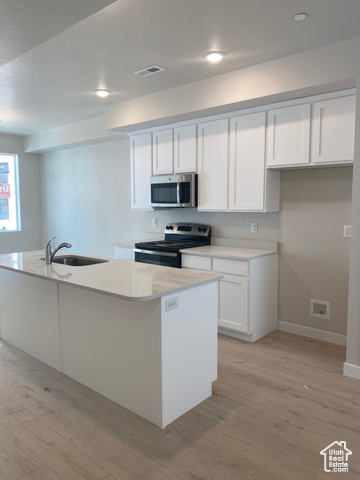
(75, 261)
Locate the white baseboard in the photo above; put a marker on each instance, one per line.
(351, 371)
(312, 333)
(233, 334)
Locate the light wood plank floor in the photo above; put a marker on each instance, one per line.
(276, 404)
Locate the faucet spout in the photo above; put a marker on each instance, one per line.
(49, 254)
(56, 249)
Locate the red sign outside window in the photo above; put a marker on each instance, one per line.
(4, 190)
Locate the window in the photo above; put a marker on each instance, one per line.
(9, 193)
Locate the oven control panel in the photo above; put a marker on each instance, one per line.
(188, 229)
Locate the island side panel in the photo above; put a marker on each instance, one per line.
(29, 315)
(189, 348)
(114, 347)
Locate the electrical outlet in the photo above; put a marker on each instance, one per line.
(171, 304)
(347, 231)
(154, 222)
(254, 227)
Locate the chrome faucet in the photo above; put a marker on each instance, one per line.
(49, 254)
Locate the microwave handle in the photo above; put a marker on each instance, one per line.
(178, 192)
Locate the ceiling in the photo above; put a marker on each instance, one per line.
(55, 54)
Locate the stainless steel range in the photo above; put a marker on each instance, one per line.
(177, 237)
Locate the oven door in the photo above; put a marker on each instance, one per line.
(166, 259)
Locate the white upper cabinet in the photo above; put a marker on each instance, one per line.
(247, 162)
(185, 149)
(163, 152)
(333, 130)
(140, 164)
(213, 165)
(238, 167)
(288, 136)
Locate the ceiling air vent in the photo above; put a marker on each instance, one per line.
(149, 71)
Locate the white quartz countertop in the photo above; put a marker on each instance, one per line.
(124, 279)
(235, 253)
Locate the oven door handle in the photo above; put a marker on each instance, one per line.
(153, 252)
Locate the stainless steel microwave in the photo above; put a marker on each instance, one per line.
(171, 191)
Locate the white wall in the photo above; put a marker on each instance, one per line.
(86, 197)
(353, 338)
(313, 253)
(30, 236)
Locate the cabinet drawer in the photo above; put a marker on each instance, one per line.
(233, 267)
(198, 263)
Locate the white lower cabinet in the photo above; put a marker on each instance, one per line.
(247, 293)
(233, 303)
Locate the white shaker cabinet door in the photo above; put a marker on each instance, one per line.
(163, 152)
(288, 136)
(213, 165)
(185, 149)
(333, 130)
(140, 160)
(233, 303)
(247, 162)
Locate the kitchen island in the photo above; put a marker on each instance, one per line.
(144, 336)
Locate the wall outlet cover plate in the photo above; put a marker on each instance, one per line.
(171, 304)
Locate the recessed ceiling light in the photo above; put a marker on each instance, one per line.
(214, 56)
(300, 16)
(101, 92)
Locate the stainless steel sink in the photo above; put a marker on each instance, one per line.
(75, 261)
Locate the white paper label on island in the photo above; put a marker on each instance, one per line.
(171, 304)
